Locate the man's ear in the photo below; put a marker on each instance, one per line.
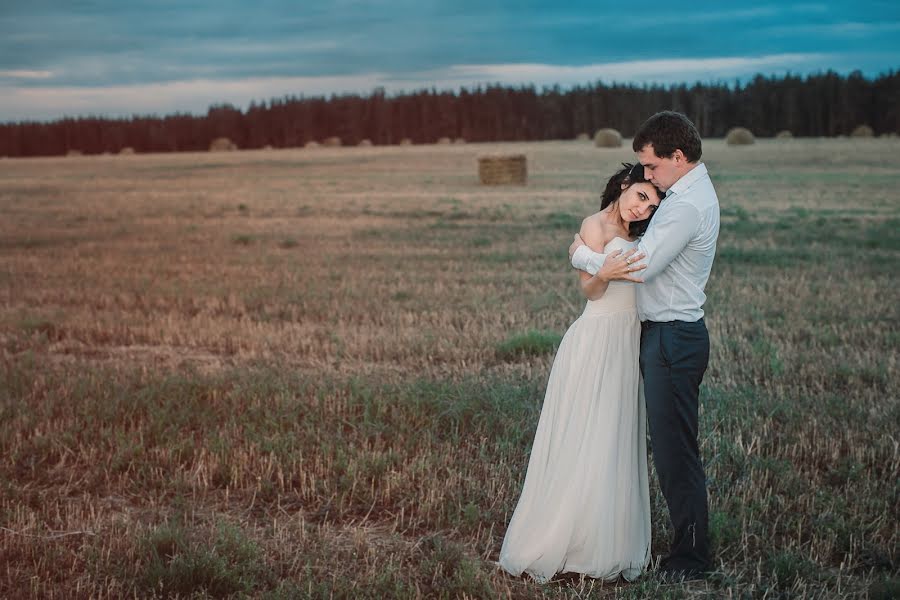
(678, 156)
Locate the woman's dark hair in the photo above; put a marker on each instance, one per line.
(629, 174)
(668, 131)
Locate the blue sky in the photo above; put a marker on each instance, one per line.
(121, 57)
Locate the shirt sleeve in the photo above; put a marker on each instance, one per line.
(585, 259)
(668, 234)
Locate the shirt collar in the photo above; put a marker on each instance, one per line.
(688, 179)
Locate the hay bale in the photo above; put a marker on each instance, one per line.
(444, 140)
(127, 150)
(406, 142)
(890, 135)
(222, 144)
(502, 169)
(311, 144)
(267, 147)
(74, 152)
(784, 135)
(607, 138)
(365, 143)
(332, 142)
(862, 131)
(582, 137)
(739, 136)
(459, 140)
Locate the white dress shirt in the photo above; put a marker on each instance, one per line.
(680, 245)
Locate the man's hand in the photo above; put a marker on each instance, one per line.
(575, 245)
(622, 267)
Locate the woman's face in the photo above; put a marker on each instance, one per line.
(637, 202)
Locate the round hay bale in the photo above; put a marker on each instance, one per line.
(862, 131)
(406, 142)
(582, 137)
(365, 143)
(739, 136)
(267, 147)
(311, 144)
(222, 144)
(459, 140)
(444, 140)
(127, 150)
(784, 135)
(503, 169)
(332, 142)
(607, 138)
(74, 152)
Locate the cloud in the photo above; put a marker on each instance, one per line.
(23, 74)
(20, 102)
(649, 71)
(847, 29)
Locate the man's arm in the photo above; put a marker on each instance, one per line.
(585, 259)
(667, 237)
(614, 266)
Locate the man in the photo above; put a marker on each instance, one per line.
(677, 251)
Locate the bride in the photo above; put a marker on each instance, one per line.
(585, 503)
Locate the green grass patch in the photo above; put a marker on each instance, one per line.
(562, 220)
(789, 567)
(180, 561)
(529, 343)
(243, 239)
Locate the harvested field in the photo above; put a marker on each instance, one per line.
(292, 373)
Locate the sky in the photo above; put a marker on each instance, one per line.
(125, 57)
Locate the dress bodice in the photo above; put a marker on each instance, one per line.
(620, 295)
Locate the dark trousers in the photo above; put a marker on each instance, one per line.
(674, 356)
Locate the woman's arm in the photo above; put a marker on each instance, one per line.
(592, 286)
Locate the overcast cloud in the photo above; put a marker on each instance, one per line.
(121, 58)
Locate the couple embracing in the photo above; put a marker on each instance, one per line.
(637, 354)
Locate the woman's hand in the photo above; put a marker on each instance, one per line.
(622, 267)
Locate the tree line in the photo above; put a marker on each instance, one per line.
(825, 104)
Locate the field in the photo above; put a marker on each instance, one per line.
(317, 373)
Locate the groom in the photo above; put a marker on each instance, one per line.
(677, 251)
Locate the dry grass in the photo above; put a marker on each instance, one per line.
(293, 374)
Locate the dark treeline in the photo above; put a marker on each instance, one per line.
(825, 104)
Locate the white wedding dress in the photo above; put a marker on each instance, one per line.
(585, 503)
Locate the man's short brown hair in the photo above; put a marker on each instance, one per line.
(668, 131)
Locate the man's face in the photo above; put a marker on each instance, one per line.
(662, 172)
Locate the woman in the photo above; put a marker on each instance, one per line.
(585, 504)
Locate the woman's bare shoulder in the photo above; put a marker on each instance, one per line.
(595, 232)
